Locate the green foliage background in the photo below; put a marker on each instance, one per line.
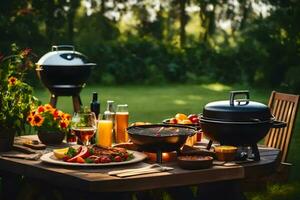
(164, 42)
(176, 46)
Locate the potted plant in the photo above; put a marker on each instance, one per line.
(50, 123)
(16, 98)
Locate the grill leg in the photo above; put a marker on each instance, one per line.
(76, 103)
(255, 152)
(159, 157)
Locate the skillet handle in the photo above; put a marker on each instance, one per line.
(278, 124)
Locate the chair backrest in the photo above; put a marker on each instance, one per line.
(284, 107)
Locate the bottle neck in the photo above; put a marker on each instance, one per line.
(95, 97)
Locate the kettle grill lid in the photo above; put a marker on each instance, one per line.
(65, 57)
(237, 110)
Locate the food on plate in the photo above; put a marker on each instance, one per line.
(195, 161)
(225, 153)
(93, 154)
(60, 153)
(139, 123)
(195, 157)
(186, 121)
(194, 118)
(173, 120)
(181, 118)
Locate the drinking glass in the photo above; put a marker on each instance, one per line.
(84, 126)
(121, 123)
(104, 132)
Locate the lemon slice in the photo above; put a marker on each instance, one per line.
(60, 153)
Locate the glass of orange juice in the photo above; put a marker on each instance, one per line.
(104, 132)
(121, 123)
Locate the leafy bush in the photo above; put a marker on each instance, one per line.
(137, 61)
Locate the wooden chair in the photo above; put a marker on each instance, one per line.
(284, 107)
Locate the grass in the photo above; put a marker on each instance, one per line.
(155, 103)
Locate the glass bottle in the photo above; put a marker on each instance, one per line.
(95, 105)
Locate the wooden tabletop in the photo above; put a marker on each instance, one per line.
(96, 179)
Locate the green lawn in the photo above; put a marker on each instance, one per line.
(155, 103)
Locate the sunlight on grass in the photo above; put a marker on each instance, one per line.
(218, 87)
(180, 102)
(194, 97)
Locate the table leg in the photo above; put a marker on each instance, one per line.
(221, 190)
(10, 185)
(81, 195)
(157, 194)
(178, 193)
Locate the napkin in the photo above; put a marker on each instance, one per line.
(155, 168)
(12, 154)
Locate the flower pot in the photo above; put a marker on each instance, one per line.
(51, 137)
(6, 139)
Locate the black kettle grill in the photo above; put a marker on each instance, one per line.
(64, 72)
(238, 122)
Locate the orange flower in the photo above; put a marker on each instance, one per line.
(63, 123)
(48, 107)
(12, 81)
(66, 116)
(55, 113)
(38, 120)
(41, 109)
(30, 118)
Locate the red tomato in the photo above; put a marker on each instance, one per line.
(125, 156)
(80, 160)
(66, 158)
(118, 159)
(105, 159)
(194, 118)
(173, 121)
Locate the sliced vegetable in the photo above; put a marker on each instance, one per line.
(84, 153)
(73, 152)
(79, 159)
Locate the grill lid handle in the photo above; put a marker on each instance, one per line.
(57, 47)
(233, 94)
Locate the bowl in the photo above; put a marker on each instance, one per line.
(193, 162)
(225, 153)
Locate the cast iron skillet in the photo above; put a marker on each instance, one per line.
(160, 137)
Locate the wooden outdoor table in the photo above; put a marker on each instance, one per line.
(96, 180)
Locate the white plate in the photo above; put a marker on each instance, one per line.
(50, 158)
